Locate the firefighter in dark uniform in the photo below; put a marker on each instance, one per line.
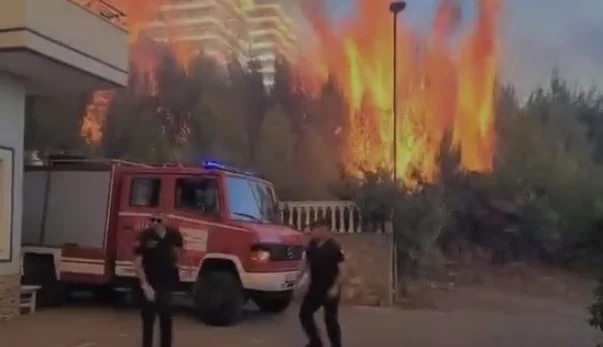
(156, 257)
(324, 262)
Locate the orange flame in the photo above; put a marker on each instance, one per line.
(446, 85)
(443, 88)
(94, 118)
(144, 60)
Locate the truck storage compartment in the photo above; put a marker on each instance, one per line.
(64, 206)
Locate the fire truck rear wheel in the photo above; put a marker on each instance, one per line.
(219, 298)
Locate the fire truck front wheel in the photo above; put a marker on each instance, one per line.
(273, 303)
(219, 298)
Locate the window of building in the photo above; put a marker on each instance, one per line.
(198, 195)
(145, 192)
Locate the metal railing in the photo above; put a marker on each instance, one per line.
(104, 10)
(344, 216)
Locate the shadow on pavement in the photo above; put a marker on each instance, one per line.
(183, 306)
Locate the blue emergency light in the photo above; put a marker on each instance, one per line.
(215, 165)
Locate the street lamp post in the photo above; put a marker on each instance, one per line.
(395, 8)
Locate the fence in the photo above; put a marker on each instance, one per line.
(345, 216)
(346, 220)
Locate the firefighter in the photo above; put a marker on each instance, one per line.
(324, 263)
(156, 257)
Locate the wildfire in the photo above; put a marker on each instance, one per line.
(94, 118)
(445, 81)
(445, 86)
(144, 56)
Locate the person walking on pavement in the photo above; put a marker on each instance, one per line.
(324, 262)
(156, 257)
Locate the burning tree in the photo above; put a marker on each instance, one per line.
(534, 161)
(444, 86)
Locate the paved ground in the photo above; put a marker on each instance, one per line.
(527, 323)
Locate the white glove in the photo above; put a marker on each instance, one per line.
(333, 292)
(301, 285)
(149, 292)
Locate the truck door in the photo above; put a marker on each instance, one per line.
(141, 197)
(197, 207)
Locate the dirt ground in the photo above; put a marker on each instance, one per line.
(495, 320)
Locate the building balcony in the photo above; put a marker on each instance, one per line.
(58, 46)
(198, 8)
(193, 26)
(210, 43)
(274, 24)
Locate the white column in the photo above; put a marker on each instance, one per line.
(12, 127)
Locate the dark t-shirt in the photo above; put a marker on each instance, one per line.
(159, 257)
(323, 261)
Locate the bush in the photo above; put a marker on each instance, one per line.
(596, 308)
(420, 217)
(375, 195)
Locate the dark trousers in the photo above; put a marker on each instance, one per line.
(162, 307)
(311, 303)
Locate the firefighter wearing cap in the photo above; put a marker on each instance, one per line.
(156, 257)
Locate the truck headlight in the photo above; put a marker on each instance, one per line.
(260, 255)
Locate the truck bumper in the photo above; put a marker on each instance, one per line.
(269, 281)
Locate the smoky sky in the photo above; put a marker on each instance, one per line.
(537, 36)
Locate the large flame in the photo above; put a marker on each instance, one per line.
(446, 85)
(95, 116)
(144, 57)
(445, 81)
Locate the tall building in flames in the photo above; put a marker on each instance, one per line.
(271, 35)
(216, 27)
(246, 29)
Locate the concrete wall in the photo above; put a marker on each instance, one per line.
(46, 46)
(12, 99)
(37, 43)
(46, 31)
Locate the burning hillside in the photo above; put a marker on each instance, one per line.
(446, 82)
(445, 85)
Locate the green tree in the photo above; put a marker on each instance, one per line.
(134, 131)
(53, 122)
(274, 156)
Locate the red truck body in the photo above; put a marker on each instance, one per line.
(83, 217)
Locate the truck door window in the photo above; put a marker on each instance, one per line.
(144, 192)
(197, 195)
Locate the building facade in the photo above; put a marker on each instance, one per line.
(272, 36)
(217, 28)
(226, 28)
(43, 51)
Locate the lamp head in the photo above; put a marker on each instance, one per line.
(397, 6)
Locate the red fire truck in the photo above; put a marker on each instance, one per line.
(81, 218)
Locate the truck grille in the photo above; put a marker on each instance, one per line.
(286, 253)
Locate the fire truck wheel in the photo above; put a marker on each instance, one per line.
(219, 298)
(106, 294)
(275, 304)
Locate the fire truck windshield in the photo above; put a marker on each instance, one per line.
(251, 200)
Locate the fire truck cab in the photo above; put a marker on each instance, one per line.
(81, 219)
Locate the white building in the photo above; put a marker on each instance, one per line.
(222, 28)
(46, 46)
(272, 35)
(216, 27)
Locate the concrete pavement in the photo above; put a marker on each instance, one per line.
(363, 327)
